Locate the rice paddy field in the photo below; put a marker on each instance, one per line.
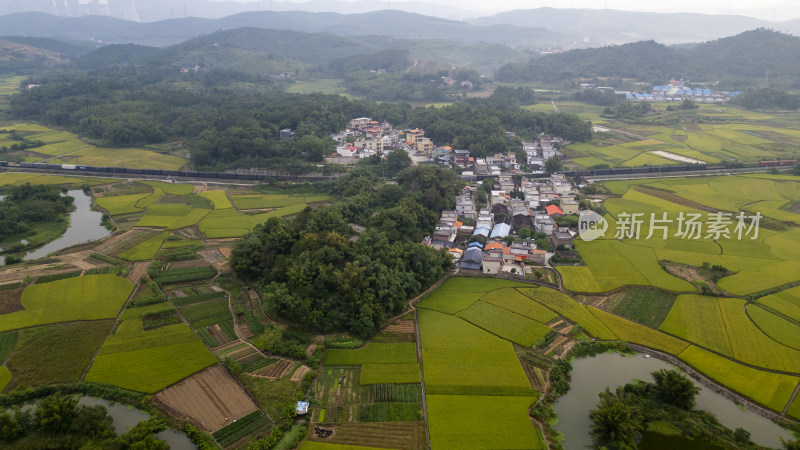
(148, 361)
(728, 134)
(760, 261)
(89, 297)
(67, 148)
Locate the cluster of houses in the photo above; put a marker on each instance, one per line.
(678, 93)
(488, 239)
(536, 152)
(365, 137)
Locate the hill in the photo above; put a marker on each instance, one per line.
(609, 26)
(390, 23)
(738, 61)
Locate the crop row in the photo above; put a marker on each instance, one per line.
(184, 275)
(388, 412)
(255, 362)
(248, 425)
(396, 392)
(189, 299)
(207, 313)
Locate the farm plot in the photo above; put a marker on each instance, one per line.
(249, 427)
(380, 362)
(570, 309)
(722, 325)
(207, 313)
(515, 302)
(776, 327)
(646, 306)
(366, 436)
(121, 204)
(639, 334)
(55, 353)
(89, 297)
(218, 198)
(460, 357)
(344, 398)
(471, 421)
(171, 216)
(786, 302)
(146, 250)
(275, 201)
(770, 389)
(505, 324)
(148, 361)
(126, 157)
(187, 275)
(457, 294)
(211, 397)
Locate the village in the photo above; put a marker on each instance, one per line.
(503, 222)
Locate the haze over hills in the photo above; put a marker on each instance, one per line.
(544, 28)
(737, 62)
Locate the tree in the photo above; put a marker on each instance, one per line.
(674, 388)
(56, 413)
(397, 161)
(796, 170)
(615, 423)
(525, 233)
(553, 165)
(741, 435)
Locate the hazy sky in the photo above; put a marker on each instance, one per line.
(765, 9)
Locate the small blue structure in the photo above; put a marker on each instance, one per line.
(301, 408)
(482, 231)
(501, 230)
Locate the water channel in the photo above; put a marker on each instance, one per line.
(84, 227)
(590, 376)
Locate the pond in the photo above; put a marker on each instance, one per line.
(126, 417)
(590, 376)
(84, 227)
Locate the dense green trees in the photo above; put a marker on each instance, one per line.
(28, 205)
(622, 416)
(312, 274)
(553, 165)
(767, 98)
(60, 422)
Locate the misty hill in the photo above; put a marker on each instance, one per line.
(738, 61)
(260, 51)
(608, 26)
(155, 10)
(21, 55)
(386, 23)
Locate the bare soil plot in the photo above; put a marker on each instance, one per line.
(226, 252)
(244, 331)
(18, 272)
(139, 270)
(11, 300)
(300, 373)
(211, 398)
(277, 370)
(188, 264)
(401, 326)
(212, 255)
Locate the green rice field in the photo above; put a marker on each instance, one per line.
(89, 297)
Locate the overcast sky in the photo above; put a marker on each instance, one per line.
(765, 9)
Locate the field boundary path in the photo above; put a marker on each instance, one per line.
(791, 400)
(712, 384)
(552, 102)
(422, 379)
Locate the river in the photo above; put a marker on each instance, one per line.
(590, 376)
(84, 227)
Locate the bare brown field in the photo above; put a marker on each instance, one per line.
(244, 331)
(277, 370)
(211, 398)
(139, 270)
(400, 435)
(11, 300)
(300, 373)
(401, 326)
(188, 264)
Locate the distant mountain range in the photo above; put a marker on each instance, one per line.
(543, 28)
(747, 59)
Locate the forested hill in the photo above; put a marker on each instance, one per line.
(737, 61)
